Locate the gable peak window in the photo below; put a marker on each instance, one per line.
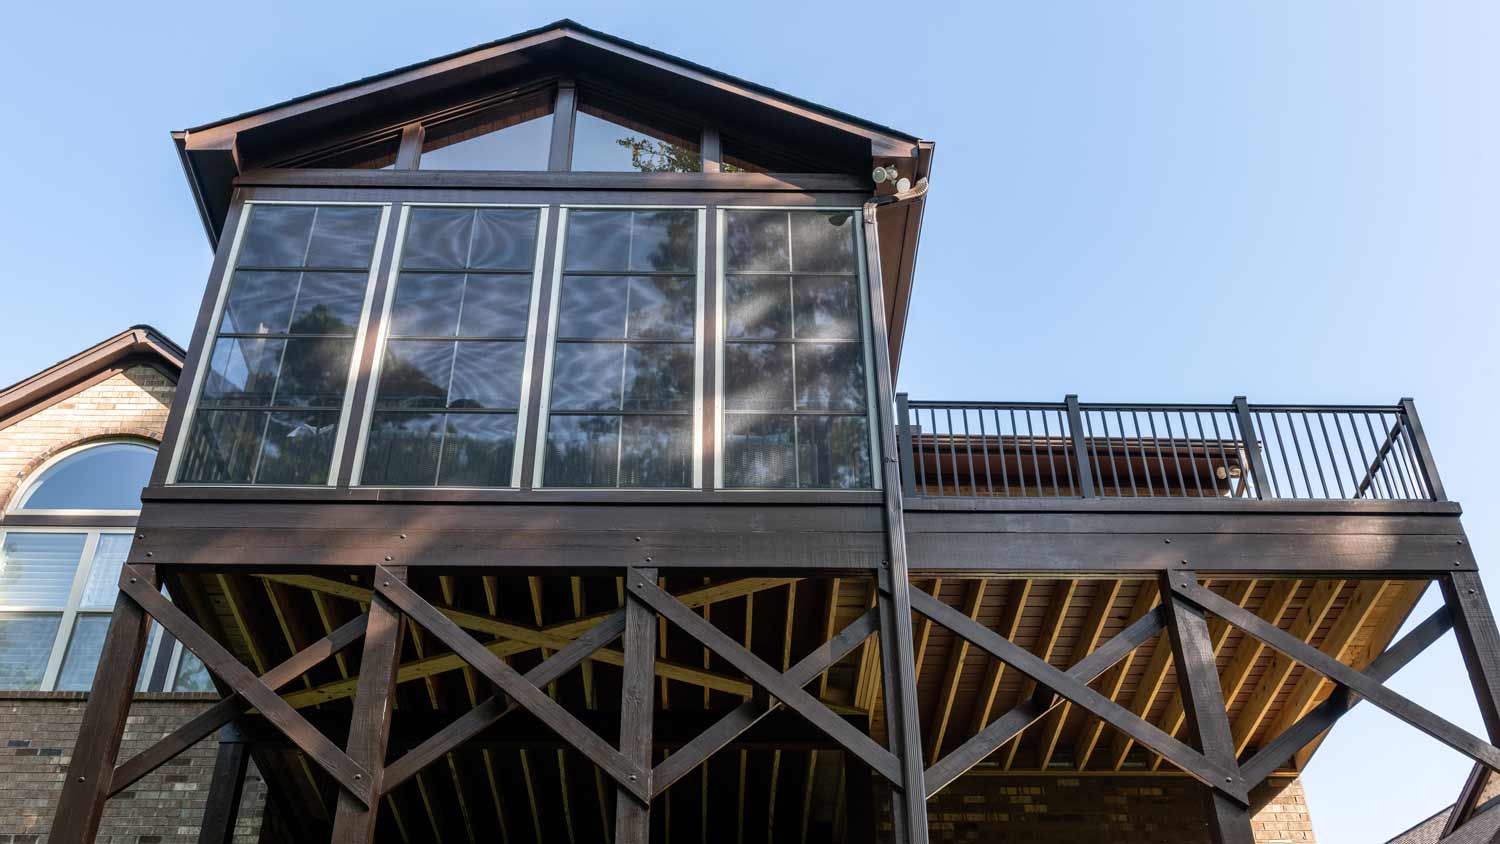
(104, 477)
(516, 135)
(610, 137)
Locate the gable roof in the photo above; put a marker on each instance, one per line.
(139, 343)
(214, 153)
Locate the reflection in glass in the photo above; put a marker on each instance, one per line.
(82, 657)
(604, 143)
(796, 392)
(521, 146)
(626, 322)
(25, 645)
(101, 477)
(104, 573)
(192, 674)
(36, 569)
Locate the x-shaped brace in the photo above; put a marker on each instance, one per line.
(352, 777)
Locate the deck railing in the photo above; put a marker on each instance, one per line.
(1069, 449)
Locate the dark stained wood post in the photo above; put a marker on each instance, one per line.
(94, 754)
(370, 722)
(1080, 447)
(1424, 451)
(564, 113)
(1203, 703)
(1251, 444)
(903, 438)
(897, 651)
(1478, 641)
(222, 808)
(633, 817)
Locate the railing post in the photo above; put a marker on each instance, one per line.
(1252, 446)
(903, 440)
(1080, 448)
(1424, 453)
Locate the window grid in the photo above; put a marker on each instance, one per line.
(515, 409)
(796, 343)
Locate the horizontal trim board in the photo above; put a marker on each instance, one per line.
(553, 180)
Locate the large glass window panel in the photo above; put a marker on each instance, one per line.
(101, 477)
(612, 139)
(104, 574)
(449, 391)
(37, 569)
(25, 646)
(285, 340)
(514, 136)
(192, 675)
(82, 657)
(796, 389)
(624, 361)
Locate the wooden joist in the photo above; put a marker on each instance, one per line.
(1304, 625)
(957, 654)
(1051, 632)
(1016, 596)
(1088, 639)
(1093, 728)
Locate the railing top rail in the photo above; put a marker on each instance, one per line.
(987, 405)
(1325, 408)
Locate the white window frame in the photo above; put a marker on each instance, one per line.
(72, 607)
(393, 277)
(553, 310)
(184, 435)
(867, 340)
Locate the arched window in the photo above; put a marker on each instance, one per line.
(57, 584)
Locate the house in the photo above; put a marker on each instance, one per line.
(540, 475)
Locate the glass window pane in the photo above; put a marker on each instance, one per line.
(343, 236)
(277, 236)
(102, 477)
(403, 449)
(487, 375)
(478, 450)
(833, 452)
(664, 241)
(260, 302)
(104, 574)
(496, 306)
(522, 146)
(758, 307)
(82, 657)
(823, 242)
(25, 646)
(329, 303)
(415, 373)
(830, 376)
(661, 308)
(298, 448)
(192, 674)
(593, 307)
(827, 307)
(582, 451)
(656, 451)
(587, 376)
(601, 144)
(504, 238)
(659, 376)
(755, 241)
(36, 569)
(438, 238)
(758, 376)
(598, 241)
(427, 305)
(223, 447)
(759, 451)
(314, 372)
(242, 371)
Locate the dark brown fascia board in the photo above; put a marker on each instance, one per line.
(905, 276)
(220, 134)
(137, 342)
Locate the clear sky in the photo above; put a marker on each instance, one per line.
(1170, 201)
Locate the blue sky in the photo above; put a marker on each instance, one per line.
(1146, 201)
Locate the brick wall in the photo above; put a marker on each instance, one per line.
(37, 733)
(1091, 810)
(133, 402)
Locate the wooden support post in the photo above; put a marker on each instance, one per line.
(1424, 452)
(1251, 444)
(1478, 641)
(87, 784)
(1080, 447)
(632, 814)
(1203, 701)
(222, 808)
(370, 723)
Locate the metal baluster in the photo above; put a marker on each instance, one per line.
(1291, 425)
(1135, 422)
(1051, 458)
(1161, 461)
(958, 487)
(1125, 447)
(1213, 416)
(1344, 444)
(1000, 447)
(1088, 429)
(921, 451)
(1312, 446)
(1388, 457)
(1371, 469)
(1260, 425)
(1407, 461)
(1197, 481)
(1066, 434)
(1333, 464)
(1020, 461)
(1036, 465)
(969, 451)
(937, 451)
(984, 448)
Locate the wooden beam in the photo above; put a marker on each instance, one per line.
(86, 786)
(830, 615)
(956, 656)
(1016, 596)
(222, 806)
(1245, 656)
(1052, 627)
(370, 723)
(1304, 625)
(1198, 679)
(1093, 728)
(924, 631)
(786, 664)
(1088, 639)
(633, 811)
